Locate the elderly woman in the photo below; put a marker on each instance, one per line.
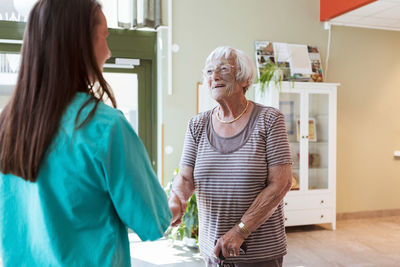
(237, 159)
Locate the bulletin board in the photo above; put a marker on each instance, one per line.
(300, 62)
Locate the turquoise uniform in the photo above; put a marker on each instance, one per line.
(93, 183)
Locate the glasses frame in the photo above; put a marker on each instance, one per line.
(217, 69)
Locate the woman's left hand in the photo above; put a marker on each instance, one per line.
(229, 244)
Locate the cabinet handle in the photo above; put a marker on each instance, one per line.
(322, 201)
(285, 219)
(285, 203)
(322, 216)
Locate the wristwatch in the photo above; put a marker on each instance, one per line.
(243, 228)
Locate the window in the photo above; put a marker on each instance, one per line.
(15, 10)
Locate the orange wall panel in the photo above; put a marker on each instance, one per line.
(330, 9)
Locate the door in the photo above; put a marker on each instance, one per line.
(308, 126)
(130, 86)
(318, 140)
(123, 44)
(134, 99)
(290, 106)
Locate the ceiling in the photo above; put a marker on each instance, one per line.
(381, 14)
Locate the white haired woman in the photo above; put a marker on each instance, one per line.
(237, 159)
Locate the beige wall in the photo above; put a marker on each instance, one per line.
(364, 61)
(367, 64)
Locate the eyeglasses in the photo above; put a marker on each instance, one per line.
(222, 69)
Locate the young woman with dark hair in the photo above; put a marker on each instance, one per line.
(74, 174)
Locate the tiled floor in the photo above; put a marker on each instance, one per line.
(164, 253)
(355, 243)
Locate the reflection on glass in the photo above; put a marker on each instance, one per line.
(125, 88)
(318, 145)
(9, 63)
(16, 10)
(125, 13)
(289, 105)
(9, 66)
(109, 9)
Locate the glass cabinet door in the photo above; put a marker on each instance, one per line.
(318, 132)
(289, 105)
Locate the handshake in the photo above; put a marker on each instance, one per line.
(181, 191)
(177, 207)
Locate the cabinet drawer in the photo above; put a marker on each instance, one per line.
(302, 217)
(307, 202)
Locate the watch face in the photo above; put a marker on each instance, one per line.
(243, 228)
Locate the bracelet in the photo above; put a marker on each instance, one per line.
(243, 228)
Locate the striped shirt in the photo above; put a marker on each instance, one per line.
(228, 180)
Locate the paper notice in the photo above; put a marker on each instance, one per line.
(299, 59)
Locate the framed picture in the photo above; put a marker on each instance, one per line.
(312, 130)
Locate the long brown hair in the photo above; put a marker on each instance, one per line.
(58, 61)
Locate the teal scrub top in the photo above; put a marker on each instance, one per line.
(93, 183)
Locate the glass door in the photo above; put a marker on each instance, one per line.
(290, 106)
(128, 85)
(125, 89)
(318, 141)
(131, 87)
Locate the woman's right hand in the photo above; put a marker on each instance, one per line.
(175, 205)
(182, 189)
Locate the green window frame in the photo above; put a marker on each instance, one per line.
(123, 44)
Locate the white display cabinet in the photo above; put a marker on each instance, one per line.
(310, 114)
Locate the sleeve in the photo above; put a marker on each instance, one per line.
(137, 196)
(278, 149)
(189, 152)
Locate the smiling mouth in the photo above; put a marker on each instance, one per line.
(219, 86)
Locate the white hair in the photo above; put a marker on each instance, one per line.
(246, 71)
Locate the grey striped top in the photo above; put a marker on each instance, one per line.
(228, 180)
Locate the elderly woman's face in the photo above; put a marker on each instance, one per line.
(220, 75)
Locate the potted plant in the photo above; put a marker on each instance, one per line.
(188, 229)
(271, 71)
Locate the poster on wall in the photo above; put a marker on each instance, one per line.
(316, 67)
(299, 62)
(264, 55)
